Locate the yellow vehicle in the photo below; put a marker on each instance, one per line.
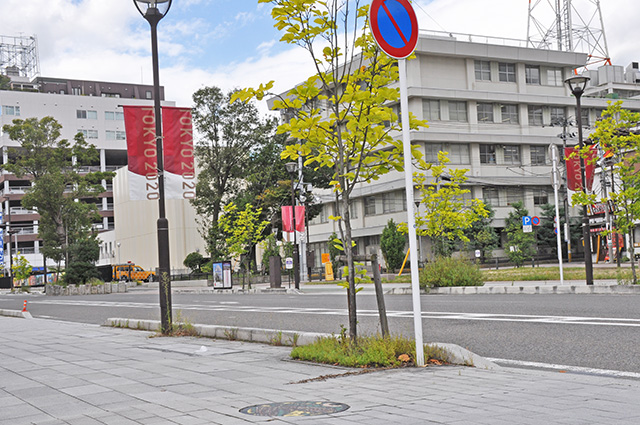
(130, 272)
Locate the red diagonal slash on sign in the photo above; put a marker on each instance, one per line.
(395, 24)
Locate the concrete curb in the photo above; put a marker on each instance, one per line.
(16, 313)
(529, 290)
(458, 355)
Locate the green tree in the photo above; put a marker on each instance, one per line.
(271, 249)
(231, 135)
(482, 236)
(521, 245)
(20, 269)
(5, 82)
(53, 164)
(342, 116)
(194, 261)
(392, 243)
(243, 229)
(83, 255)
(445, 213)
(616, 132)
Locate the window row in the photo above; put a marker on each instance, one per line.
(84, 114)
(506, 72)
(110, 134)
(10, 110)
(385, 203)
(492, 154)
(507, 196)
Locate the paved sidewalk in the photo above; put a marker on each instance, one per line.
(68, 373)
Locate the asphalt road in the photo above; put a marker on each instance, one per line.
(593, 331)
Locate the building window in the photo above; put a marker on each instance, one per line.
(540, 197)
(431, 110)
(113, 116)
(483, 70)
(353, 210)
(539, 155)
(457, 111)
(89, 134)
(369, 205)
(554, 77)
(535, 115)
(490, 196)
(110, 94)
(322, 216)
(86, 115)
(557, 115)
(487, 154)
(116, 135)
(147, 94)
(458, 153)
(393, 202)
(11, 110)
(532, 74)
(514, 194)
(485, 112)
(584, 114)
(76, 91)
(511, 154)
(507, 72)
(509, 114)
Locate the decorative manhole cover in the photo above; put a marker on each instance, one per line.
(295, 408)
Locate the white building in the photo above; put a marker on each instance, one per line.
(491, 104)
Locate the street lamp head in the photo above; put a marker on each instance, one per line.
(149, 8)
(577, 84)
(292, 167)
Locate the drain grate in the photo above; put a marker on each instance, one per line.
(295, 408)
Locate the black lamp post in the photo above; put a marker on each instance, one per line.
(292, 169)
(150, 10)
(577, 85)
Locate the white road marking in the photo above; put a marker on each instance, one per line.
(572, 369)
(495, 317)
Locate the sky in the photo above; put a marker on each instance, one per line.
(233, 44)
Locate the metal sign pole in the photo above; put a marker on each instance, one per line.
(556, 184)
(411, 220)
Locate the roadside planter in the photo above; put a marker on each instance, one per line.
(107, 288)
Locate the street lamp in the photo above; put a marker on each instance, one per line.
(577, 85)
(417, 202)
(150, 10)
(292, 169)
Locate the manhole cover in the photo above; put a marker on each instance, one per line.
(295, 408)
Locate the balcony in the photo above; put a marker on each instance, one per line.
(21, 210)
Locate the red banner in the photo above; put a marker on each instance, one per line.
(287, 222)
(574, 176)
(139, 124)
(179, 166)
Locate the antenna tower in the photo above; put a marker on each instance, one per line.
(19, 56)
(570, 26)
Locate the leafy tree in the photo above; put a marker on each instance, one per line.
(54, 164)
(20, 269)
(483, 236)
(446, 214)
(194, 261)
(243, 228)
(392, 243)
(5, 82)
(231, 136)
(616, 132)
(521, 244)
(81, 268)
(271, 249)
(342, 116)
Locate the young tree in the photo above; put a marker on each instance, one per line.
(342, 116)
(392, 244)
(84, 253)
(194, 261)
(616, 132)
(53, 164)
(231, 136)
(521, 244)
(21, 269)
(243, 228)
(446, 214)
(482, 236)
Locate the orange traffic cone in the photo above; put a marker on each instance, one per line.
(24, 306)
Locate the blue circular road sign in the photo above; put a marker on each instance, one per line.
(394, 27)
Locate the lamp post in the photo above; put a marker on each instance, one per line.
(577, 85)
(292, 169)
(417, 202)
(153, 14)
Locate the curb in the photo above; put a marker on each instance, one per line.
(458, 355)
(16, 313)
(528, 290)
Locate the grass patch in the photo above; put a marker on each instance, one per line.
(553, 273)
(369, 352)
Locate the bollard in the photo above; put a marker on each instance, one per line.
(24, 306)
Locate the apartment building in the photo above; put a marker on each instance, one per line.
(90, 107)
(495, 105)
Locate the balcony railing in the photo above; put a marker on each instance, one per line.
(20, 210)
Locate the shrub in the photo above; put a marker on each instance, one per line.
(450, 272)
